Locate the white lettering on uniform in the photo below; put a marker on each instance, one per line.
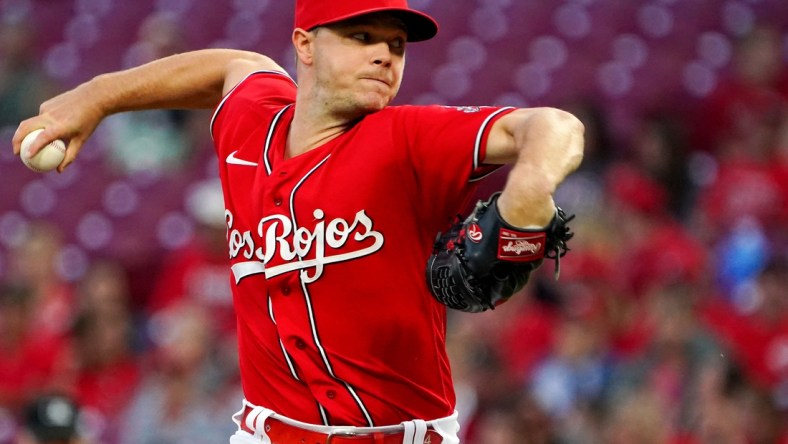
(294, 245)
(237, 240)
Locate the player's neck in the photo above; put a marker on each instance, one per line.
(312, 127)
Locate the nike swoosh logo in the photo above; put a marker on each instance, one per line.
(231, 159)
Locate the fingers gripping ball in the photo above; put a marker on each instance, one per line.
(47, 159)
(482, 261)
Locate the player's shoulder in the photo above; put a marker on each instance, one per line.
(262, 75)
(263, 84)
(246, 63)
(257, 97)
(261, 90)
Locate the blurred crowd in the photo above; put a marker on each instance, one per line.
(668, 324)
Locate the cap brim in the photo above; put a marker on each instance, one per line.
(420, 26)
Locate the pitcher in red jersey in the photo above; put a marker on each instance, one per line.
(333, 199)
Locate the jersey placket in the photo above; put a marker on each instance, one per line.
(296, 321)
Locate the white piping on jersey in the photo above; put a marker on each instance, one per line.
(478, 145)
(281, 344)
(310, 311)
(270, 136)
(271, 310)
(288, 360)
(327, 363)
(229, 93)
(323, 414)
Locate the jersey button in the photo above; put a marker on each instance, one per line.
(300, 344)
(285, 290)
(278, 201)
(331, 394)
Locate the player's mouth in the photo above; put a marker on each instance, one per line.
(378, 79)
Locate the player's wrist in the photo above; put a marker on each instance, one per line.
(102, 95)
(526, 212)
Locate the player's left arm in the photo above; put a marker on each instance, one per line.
(485, 259)
(544, 146)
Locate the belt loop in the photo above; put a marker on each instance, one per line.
(410, 430)
(415, 431)
(255, 420)
(420, 432)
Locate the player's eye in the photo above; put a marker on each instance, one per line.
(361, 36)
(398, 43)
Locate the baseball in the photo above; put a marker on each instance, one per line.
(47, 159)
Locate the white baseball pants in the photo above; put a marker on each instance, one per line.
(414, 432)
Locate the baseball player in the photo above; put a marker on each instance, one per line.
(333, 201)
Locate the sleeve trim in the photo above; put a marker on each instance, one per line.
(477, 149)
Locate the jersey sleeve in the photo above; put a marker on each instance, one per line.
(447, 147)
(249, 101)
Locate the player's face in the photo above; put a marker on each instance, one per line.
(359, 64)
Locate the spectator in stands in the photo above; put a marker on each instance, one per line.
(499, 426)
(669, 369)
(51, 419)
(583, 191)
(779, 167)
(729, 410)
(754, 325)
(27, 360)
(33, 264)
(743, 123)
(198, 271)
(753, 92)
(483, 382)
(749, 182)
(654, 247)
(638, 417)
(601, 148)
(106, 369)
(188, 393)
(23, 84)
(154, 141)
(104, 287)
(660, 150)
(571, 382)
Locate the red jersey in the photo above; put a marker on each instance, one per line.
(336, 324)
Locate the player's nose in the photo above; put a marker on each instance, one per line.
(382, 54)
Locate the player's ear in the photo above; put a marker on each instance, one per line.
(303, 44)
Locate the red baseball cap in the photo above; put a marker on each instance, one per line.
(312, 13)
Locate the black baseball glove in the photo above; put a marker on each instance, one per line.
(482, 261)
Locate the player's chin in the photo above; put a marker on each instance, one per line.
(371, 103)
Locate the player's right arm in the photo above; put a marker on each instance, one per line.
(191, 80)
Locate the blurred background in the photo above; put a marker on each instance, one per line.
(669, 324)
